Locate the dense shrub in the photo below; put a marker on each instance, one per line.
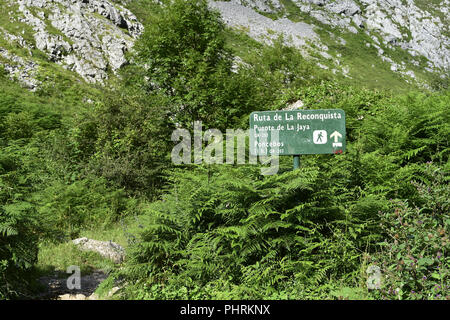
(89, 203)
(21, 119)
(39, 198)
(184, 57)
(126, 140)
(18, 247)
(414, 258)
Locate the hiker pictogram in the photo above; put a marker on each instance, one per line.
(320, 137)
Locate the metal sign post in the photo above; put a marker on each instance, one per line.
(296, 162)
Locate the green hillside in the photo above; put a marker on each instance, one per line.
(81, 158)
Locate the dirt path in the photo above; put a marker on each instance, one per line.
(56, 287)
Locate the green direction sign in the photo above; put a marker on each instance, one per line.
(297, 132)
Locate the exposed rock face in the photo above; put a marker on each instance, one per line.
(346, 7)
(86, 36)
(398, 23)
(107, 249)
(261, 27)
(90, 37)
(264, 29)
(339, 13)
(268, 6)
(411, 28)
(23, 70)
(390, 24)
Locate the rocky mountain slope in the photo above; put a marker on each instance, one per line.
(418, 29)
(89, 37)
(409, 38)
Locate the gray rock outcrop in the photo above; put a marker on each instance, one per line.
(399, 23)
(89, 37)
(411, 28)
(107, 249)
(295, 106)
(262, 28)
(345, 7)
(21, 69)
(268, 6)
(421, 31)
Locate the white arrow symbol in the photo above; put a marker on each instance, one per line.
(336, 135)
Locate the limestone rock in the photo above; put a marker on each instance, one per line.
(262, 28)
(346, 7)
(294, 106)
(107, 249)
(84, 41)
(419, 30)
(269, 6)
(91, 37)
(69, 296)
(21, 69)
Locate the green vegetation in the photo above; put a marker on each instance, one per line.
(79, 161)
(310, 233)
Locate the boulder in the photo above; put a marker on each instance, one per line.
(295, 106)
(108, 249)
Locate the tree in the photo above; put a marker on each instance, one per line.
(185, 58)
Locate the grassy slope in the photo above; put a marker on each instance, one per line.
(58, 82)
(57, 257)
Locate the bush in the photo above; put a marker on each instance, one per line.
(21, 119)
(414, 257)
(225, 225)
(18, 247)
(125, 139)
(69, 208)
